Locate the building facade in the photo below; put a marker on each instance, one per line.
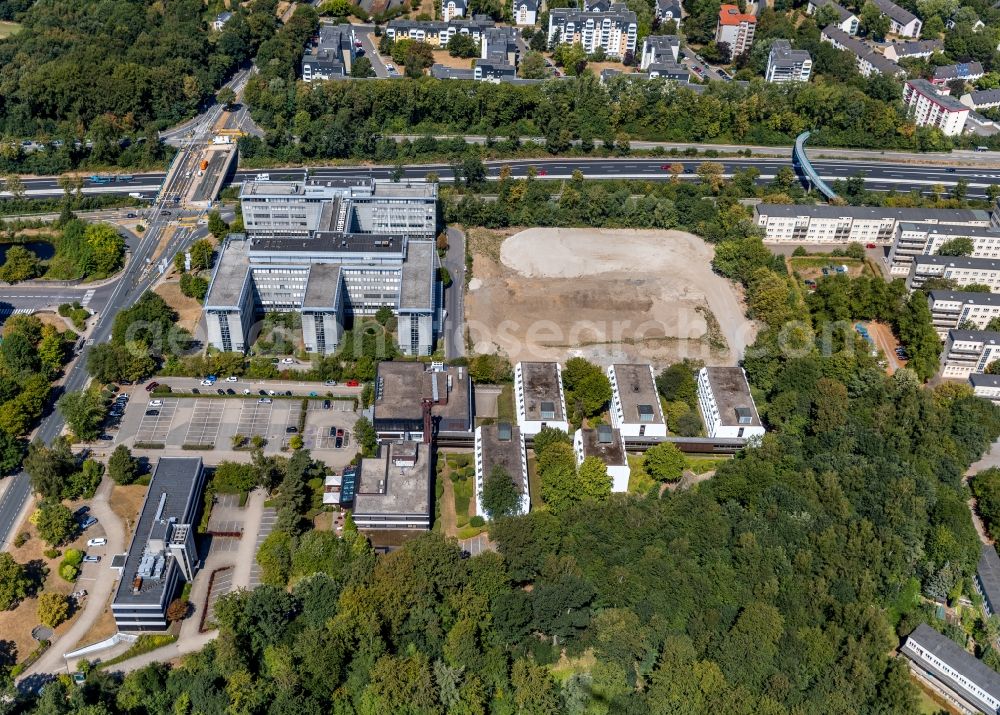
(727, 406)
(970, 684)
(914, 239)
(962, 270)
(659, 49)
(922, 49)
(987, 387)
(450, 9)
(929, 108)
(735, 29)
(437, 33)
(525, 12)
(954, 309)
(329, 54)
(982, 99)
(787, 65)
(539, 397)
(987, 580)
(867, 60)
(847, 21)
(635, 402)
(502, 445)
(965, 71)
(902, 22)
(614, 30)
(669, 11)
(969, 351)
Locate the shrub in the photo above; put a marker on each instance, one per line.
(477, 521)
(53, 609)
(21, 539)
(68, 572)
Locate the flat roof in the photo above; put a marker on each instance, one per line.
(416, 286)
(384, 488)
(230, 275)
(606, 444)
(913, 215)
(637, 393)
(977, 336)
(968, 297)
(732, 393)
(273, 188)
(541, 384)
(506, 453)
(960, 660)
(959, 262)
(989, 568)
(401, 386)
(171, 495)
(946, 229)
(323, 286)
(931, 92)
(411, 190)
(983, 379)
(332, 242)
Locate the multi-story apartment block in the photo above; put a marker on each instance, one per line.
(929, 108)
(901, 22)
(727, 405)
(615, 30)
(868, 61)
(914, 48)
(967, 71)
(436, 33)
(329, 54)
(660, 51)
(635, 401)
(450, 9)
(847, 21)
(605, 443)
(969, 351)
(987, 387)
(964, 271)
(539, 397)
(957, 309)
(499, 46)
(968, 683)
(667, 11)
(735, 29)
(787, 65)
(501, 445)
(786, 223)
(913, 239)
(525, 12)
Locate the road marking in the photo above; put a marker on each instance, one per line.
(87, 297)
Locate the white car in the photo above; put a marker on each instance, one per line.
(207, 383)
(232, 378)
(272, 393)
(246, 392)
(389, 67)
(156, 403)
(98, 542)
(287, 361)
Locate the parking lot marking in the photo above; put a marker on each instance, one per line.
(206, 421)
(255, 418)
(155, 428)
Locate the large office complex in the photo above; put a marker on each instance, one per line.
(615, 29)
(162, 552)
(787, 65)
(502, 445)
(539, 397)
(970, 684)
(415, 400)
(726, 403)
(635, 402)
(332, 251)
(969, 351)
(962, 270)
(930, 108)
(735, 28)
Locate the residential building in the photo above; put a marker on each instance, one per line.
(788, 223)
(969, 351)
(659, 49)
(332, 251)
(614, 30)
(393, 490)
(499, 47)
(966, 71)
(913, 239)
(727, 406)
(675, 73)
(450, 9)
(981, 99)
(444, 72)
(501, 445)
(486, 71)
(970, 684)
(961, 269)
(902, 22)
(735, 29)
(436, 33)
(329, 54)
(922, 49)
(525, 12)
(667, 10)
(787, 65)
(868, 61)
(605, 443)
(953, 309)
(162, 551)
(987, 387)
(414, 400)
(635, 402)
(539, 397)
(847, 21)
(220, 20)
(988, 571)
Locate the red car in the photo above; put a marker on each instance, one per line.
(152, 386)
(543, 172)
(353, 383)
(870, 245)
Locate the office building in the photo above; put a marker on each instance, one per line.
(913, 239)
(930, 108)
(969, 684)
(867, 60)
(982, 99)
(393, 490)
(415, 400)
(605, 443)
(635, 402)
(614, 30)
(539, 397)
(847, 21)
(162, 552)
(727, 406)
(969, 351)
(329, 54)
(735, 28)
(962, 270)
(501, 445)
(787, 65)
(525, 12)
(902, 22)
(965, 71)
(954, 309)
(987, 387)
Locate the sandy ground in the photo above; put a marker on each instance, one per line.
(607, 295)
(126, 501)
(188, 309)
(441, 57)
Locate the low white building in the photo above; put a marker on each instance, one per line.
(635, 401)
(902, 22)
(847, 21)
(501, 445)
(659, 49)
(668, 10)
(961, 269)
(727, 406)
(985, 386)
(541, 401)
(450, 9)
(982, 99)
(967, 682)
(952, 309)
(921, 49)
(969, 351)
(604, 443)
(867, 60)
(930, 108)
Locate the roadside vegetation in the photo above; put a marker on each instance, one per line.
(80, 251)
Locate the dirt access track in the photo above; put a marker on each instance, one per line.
(607, 295)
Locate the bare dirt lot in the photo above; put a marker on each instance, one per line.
(607, 295)
(188, 309)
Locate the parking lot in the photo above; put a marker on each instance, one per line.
(158, 414)
(206, 420)
(267, 522)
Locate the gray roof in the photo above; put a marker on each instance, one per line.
(616, 12)
(542, 385)
(861, 50)
(606, 444)
(668, 7)
(416, 289)
(445, 72)
(969, 297)
(401, 386)
(982, 379)
(900, 15)
(385, 489)
(959, 71)
(906, 214)
(958, 659)
(783, 54)
(732, 393)
(985, 97)
(231, 275)
(916, 47)
(842, 12)
(322, 287)
(989, 563)
(959, 262)
(505, 453)
(532, 5)
(332, 242)
(636, 390)
(975, 336)
(930, 91)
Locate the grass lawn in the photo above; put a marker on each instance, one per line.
(461, 470)
(700, 465)
(505, 404)
(639, 482)
(8, 28)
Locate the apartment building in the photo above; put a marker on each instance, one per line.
(667, 11)
(525, 12)
(615, 30)
(954, 309)
(987, 387)
(847, 21)
(982, 99)
(727, 406)
(867, 60)
(329, 54)
(437, 33)
(499, 46)
(635, 402)
(416, 400)
(961, 269)
(987, 579)
(921, 49)
(969, 351)
(966, 71)
(929, 108)
(660, 52)
(902, 22)
(394, 489)
(735, 29)
(539, 397)
(787, 65)
(913, 239)
(605, 443)
(789, 223)
(450, 9)
(501, 445)
(968, 683)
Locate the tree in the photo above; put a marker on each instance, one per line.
(55, 523)
(710, 173)
(18, 354)
(573, 58)
(873, 23)
(105, 249)
(53, 609)
(664, 462)
(109, 362)
(202, 253)
(193, 286)
(177, 610)
(490, 369)
(677, 382)
(14, 582)
(462, 45)
(594, 482)
(84, 412)
(217, 227)
(533, 66)
(226, 97)
(362, 67)
(20, 265)
(960, 246)
(417, 57)
(500, 497)
(49, 469)
(588, 387)
(557, 471)
(123, 468)
(365, 436)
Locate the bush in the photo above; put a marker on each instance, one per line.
(21, 539)
(53, 609)
(162, 390)
(68, 572)
(477, 521)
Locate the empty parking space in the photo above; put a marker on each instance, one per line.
(267, 521)
(225, 544)
(155, 423)
(255, 417)
(222, 583)
(206, 420)
(335, 405)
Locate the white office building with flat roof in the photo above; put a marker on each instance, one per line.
(969, 351)
(635, 402)
(539, 397)
(604, 443)
(727, 405)
(955, 309)
(964, 271)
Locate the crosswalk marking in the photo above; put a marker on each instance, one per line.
(9, 310)
(87, 297)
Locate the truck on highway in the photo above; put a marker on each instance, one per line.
(134, 195)
(100, 179)
(123, 177)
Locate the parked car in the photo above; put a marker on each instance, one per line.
(291, 429)
(264, 401)
(352, 383)
(340, 431)
(288, 393)
(81, 512)
(213, 378)
(99, 541)
(272, 393)
(88, 559)
(88, 522)
(230, 391)
(79, 595)
(326, 404)
(246, 391)
(152, 413)
(347, 438)
(152, 386)
(232, 378)
(330, 383)
(287, 361)
(221, 391)
(262, 392)
(339, 443)
(164, 213)
(870, 245)
(105, 437)
(122, 397)
(195, 391)
(207, 383)
(333, 431)
(156, 403)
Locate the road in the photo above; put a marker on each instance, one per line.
(454, 297)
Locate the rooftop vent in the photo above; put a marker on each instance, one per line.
(743, 415)
(604, 435)
(505, 432)
(548, 410)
